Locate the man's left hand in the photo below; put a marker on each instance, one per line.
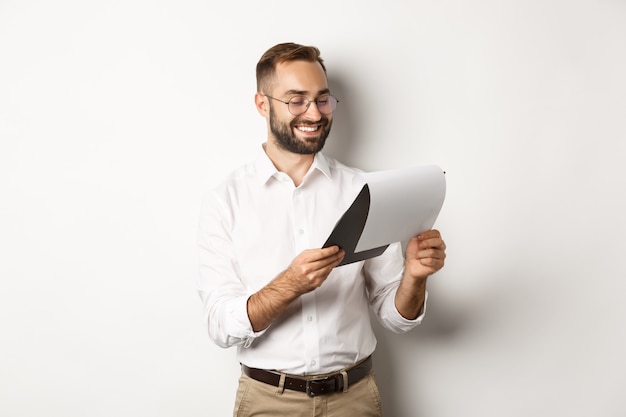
(425, 254)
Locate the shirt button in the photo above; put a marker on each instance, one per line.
(313, 362)
(309, 319)
(300, 231)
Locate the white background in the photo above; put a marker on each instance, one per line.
(116, 116)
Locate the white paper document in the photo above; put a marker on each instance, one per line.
(393, 206)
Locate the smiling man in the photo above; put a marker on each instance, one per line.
(313, 128)
(300, 323)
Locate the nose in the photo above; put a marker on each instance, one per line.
(312, 112)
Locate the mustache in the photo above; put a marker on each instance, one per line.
(323, 122)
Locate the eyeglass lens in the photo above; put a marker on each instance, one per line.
(325, 104)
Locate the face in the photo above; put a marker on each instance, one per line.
(307, 132)
(299, 135)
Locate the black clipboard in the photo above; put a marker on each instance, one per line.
(349, 228)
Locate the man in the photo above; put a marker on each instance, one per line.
(300, 322)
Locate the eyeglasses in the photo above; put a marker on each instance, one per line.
(297, 105)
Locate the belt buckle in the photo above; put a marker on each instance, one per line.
(308, 387)
(327, 380)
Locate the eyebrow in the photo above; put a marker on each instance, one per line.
(303, 93)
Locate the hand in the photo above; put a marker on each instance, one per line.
(306, 272)
(311, 267)
(425, 254)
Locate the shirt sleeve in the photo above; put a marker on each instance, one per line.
(223, 295)
(383, 274)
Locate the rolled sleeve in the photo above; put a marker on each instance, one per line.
(398, 323)
(223, 295)
(384, 274)
(227, 321)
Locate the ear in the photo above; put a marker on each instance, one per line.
(262, 104)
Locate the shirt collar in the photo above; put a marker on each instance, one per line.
(321, 164)
(265, 168)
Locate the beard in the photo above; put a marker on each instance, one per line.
(287, 140)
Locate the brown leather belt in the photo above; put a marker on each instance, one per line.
(312, 387)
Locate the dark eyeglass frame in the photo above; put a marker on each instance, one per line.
(307, 103)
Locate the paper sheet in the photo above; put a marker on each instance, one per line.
(403, 203)
(393, 206)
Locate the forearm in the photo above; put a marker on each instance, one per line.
(425, 255)
(307, 272)
(410, 297)
(270, 302)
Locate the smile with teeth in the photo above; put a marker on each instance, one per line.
(307, 128)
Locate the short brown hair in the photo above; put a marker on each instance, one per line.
(283, 52)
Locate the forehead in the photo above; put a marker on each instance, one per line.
(301, 76)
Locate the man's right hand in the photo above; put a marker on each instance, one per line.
(306, 272)
(311, 267)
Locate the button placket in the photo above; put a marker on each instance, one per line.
(309, 306)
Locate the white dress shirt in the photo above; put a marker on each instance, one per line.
(251, 228)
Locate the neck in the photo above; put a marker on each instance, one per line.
(293, 164)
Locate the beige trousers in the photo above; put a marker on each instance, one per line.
(257, 399)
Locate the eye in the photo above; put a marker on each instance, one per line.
(322, 101)
(298, 101)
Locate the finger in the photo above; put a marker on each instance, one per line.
(435, 242)
(431, 253)
(329, 252)
(433, 263)
(428, 234)
(430, 238)
(313, 255)
(332, 260)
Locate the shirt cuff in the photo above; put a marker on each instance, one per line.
(403, 324)
(239, 312)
